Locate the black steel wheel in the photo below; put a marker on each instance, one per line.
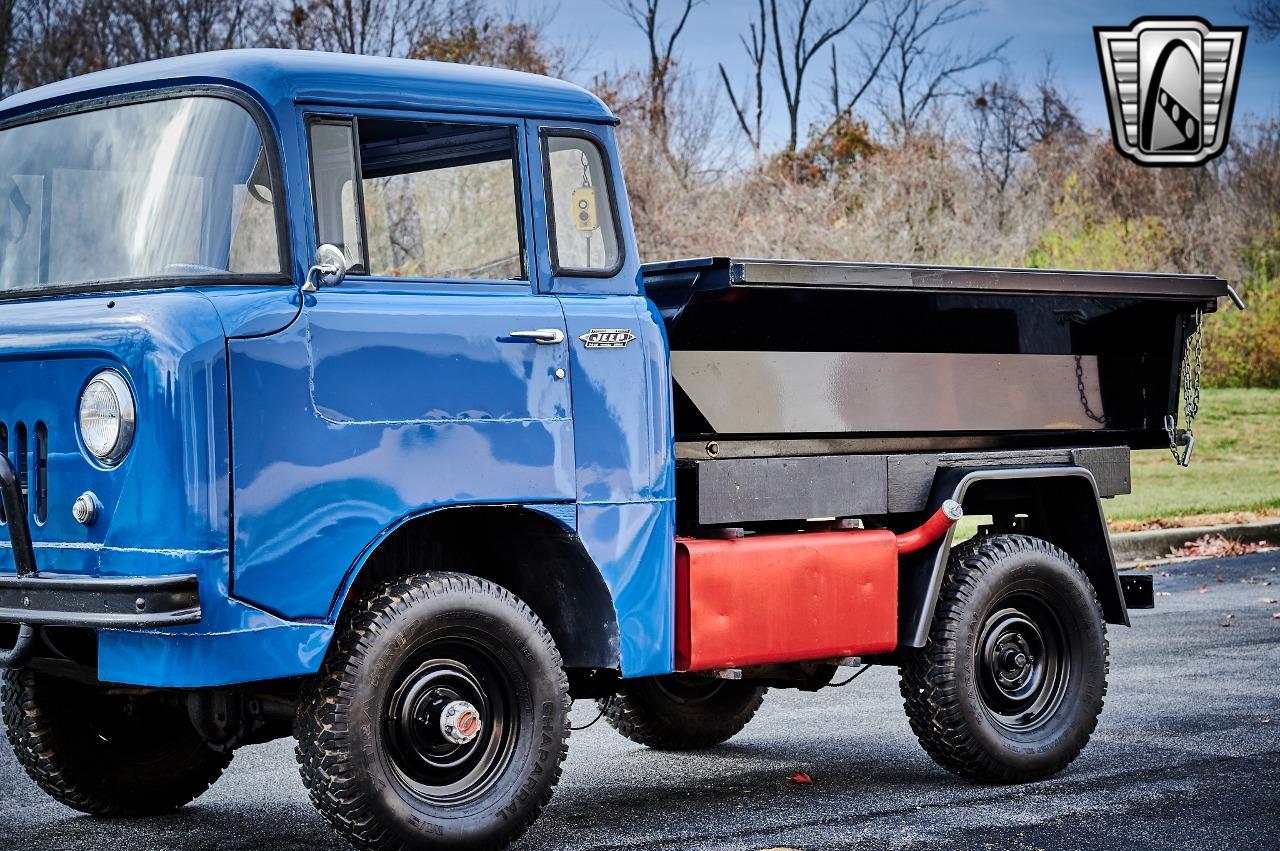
(1022, 662)
(682, 711)
(439, 720)
(1010, 685)
(106, 753)
(451, 724)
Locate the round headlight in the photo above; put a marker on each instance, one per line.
(107, 417)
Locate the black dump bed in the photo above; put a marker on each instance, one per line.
(779, 358)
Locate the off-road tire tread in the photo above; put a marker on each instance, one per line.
(638, 720)
(67, 776)
(927, 678)
(322, 757)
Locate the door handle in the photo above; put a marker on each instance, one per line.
(541, 336)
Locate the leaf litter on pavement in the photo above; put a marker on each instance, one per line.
(1218, 546)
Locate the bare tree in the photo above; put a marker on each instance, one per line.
(1002, 121)
(373, 27)
(1053, 117)
(8, 14)
(660, 79)
(872, 57)
(756, 45)
(1265, 15)
(920, 70)
(475, 36)
(56, 39)
(805, 35)
(137, 30)
(1017, 133)
(46, 40)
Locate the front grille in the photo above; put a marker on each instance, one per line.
(28, 452)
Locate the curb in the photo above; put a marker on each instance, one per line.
(1133, 547)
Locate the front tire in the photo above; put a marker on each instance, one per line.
(1010, 684)
(681, 712)
(439, 720)
(104, 754)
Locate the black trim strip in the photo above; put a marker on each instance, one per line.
(136, 602)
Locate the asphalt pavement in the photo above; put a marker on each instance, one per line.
(1187, 755)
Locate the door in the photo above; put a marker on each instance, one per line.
(434, 374)
(437, 321)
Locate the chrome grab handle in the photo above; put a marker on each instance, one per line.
(541, 336)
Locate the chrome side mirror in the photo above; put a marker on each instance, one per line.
(329, 271)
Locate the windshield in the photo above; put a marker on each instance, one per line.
(162, 189)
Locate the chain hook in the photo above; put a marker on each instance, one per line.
(1182, 441)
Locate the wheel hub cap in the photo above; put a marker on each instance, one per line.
(460, 722)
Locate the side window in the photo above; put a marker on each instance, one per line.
(335, 190)
(441, 200)
(432, 200)
(584, 235)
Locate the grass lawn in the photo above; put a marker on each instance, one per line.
(1235, 466)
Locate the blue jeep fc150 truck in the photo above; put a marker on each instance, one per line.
(335, 402)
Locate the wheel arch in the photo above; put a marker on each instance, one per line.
(532, 551)
(1063, 507)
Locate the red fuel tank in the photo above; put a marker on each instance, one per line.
(785, 598)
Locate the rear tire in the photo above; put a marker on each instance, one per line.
(680, 712)
(1010, 684)
(106, 755)
(384, 759)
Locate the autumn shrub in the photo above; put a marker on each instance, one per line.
(1081, 234)
(1242, 348)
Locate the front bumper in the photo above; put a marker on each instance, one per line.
(31, 600)
(132, 603)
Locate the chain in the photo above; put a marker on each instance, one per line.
(1181, 443)
(1084, 397)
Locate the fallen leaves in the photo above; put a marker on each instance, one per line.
(801, 778)
(1275, 616)
(1234, 518)
(1217, 546)
(1204, 588)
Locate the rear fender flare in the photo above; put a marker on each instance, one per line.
(1063, 503)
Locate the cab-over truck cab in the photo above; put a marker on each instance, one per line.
(335, 405)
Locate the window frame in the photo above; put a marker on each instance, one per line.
(351, 122)
(522, 219)
(271, 148)
(606, 165)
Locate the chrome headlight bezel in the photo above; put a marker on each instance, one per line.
(113, 383)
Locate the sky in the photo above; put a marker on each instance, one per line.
(1063, 32)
